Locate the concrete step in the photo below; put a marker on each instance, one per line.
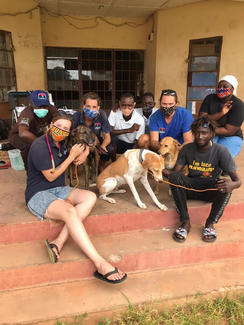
(27, 264)
(44, 304)
(139, 219)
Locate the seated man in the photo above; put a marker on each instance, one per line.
(147, 109)
(228, 111)
(127, 124)
(95, 118)
(168, 121)
(32, 122)
(205, 161)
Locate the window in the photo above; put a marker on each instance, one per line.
(73, 72)
(203, 70)
(7, 70)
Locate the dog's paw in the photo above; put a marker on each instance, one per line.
(121, 191)
(162, 207)
(110, 200)
(142, 205)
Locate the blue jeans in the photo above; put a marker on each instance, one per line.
(233, 144)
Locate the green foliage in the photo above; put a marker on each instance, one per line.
(217, 311)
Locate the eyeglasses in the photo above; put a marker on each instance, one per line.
(168, 92)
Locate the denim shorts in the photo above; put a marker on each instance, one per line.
(39, 202)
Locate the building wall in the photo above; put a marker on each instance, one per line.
(27, 42)
(177, 26)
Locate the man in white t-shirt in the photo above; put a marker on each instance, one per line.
(147, 109)
(127, 125)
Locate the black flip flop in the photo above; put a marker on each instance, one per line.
(51, 253)
(105, 276)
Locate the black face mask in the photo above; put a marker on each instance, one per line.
(147, 109)
(167, 111)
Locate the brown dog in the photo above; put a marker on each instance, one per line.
(169, 150)
(83, 135)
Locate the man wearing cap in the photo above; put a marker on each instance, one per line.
(32, 122)
(228, 111)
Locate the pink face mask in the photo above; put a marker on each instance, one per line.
(223, 92)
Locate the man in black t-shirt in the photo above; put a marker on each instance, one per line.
(228, 111)
(205, 161)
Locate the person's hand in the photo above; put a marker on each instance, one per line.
(103, 148)
(76, 150)
(81, 158)
(227, 106)
(135, 127)
(224, 185)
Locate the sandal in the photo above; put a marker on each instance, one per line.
(105, 276)
(209, 234)
(180, 234)
(52, 255)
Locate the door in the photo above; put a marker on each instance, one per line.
(203, 70)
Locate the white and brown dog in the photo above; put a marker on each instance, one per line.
(129, 167)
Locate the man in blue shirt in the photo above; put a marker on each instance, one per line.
(170, 121)
(95, 118)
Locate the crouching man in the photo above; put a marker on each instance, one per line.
(205, 161)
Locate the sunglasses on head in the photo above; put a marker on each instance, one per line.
(168, 92)
(207, 125)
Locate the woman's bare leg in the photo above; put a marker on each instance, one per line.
(61, 210)
(83, 201)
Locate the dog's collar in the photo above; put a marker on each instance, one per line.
(140, 155)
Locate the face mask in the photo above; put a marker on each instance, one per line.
(147, 109)
(41, 112)
(90, 114)
(58, 134)
(223, 92)
(167, 111)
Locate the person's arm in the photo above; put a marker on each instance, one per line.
(226, 130)
(154, 142)
(25, 134)
(177, 168)
(187, 137)
(106, 141)
(135, 127)
(227, 185)
(215, 117)
(78, 150)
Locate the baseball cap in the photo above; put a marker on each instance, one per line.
(40, 98)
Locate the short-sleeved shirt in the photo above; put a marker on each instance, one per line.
(235, 116)
(146, 120)
(180, 124)
(118, 122)
(34, 124)
(99, 124)
(206, 164)
(39, 159)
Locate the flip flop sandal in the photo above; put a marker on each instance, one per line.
(209, 235)
(105, 276)
(180, 234)
(51, 252)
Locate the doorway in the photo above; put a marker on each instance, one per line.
(71, 72)
(203, 70)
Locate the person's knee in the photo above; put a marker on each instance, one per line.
(143, 141)
(92, 198)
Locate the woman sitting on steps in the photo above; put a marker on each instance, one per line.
(46, 195)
